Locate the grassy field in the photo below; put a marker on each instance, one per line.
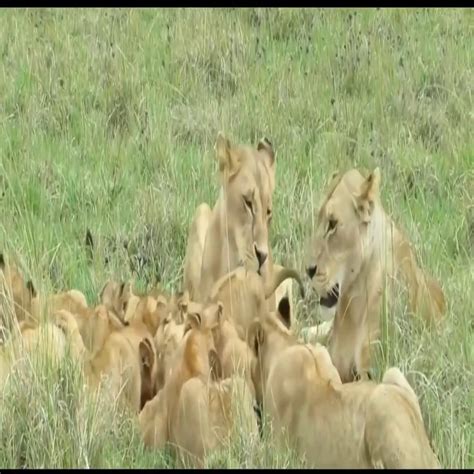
(108, 121)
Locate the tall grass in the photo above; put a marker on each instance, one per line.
(108, 120)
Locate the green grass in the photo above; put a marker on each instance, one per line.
(108, 121)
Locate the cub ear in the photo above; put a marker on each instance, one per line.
(126, 289)
(183, 302)
(266, 145)
(146, 354)
(106, 295)
(255, 337)
(2, 261)
(284, 311)
(228, 162)
(217, 314)
(193, 320)
(152, 320)
(369, 192)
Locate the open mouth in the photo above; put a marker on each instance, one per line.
(331, 299)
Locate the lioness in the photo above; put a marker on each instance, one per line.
(356, 250)
(235, 231)
(331, 424)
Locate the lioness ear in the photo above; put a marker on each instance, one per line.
(266, 145)
(228, 163)
(215, 365)
(31, 288)
(2, 261)
(365, 200)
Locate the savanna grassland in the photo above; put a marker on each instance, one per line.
(108, 121)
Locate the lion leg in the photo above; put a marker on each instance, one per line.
(195, 250)
(361, 370)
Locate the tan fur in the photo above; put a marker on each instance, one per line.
(237, 227)
(114, 296)
(242, 293)
(192, 412)
(234, 353)
(127, 305)
(45, 340)
(363, 253)
(167, 339)
(16, 296)
(331, 424)
(95, 324)
(215, 410)
(127, 360)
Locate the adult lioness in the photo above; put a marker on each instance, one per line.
(356, 250)
(235, 231)
(331, 424)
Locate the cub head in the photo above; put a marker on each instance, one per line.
(343, 236)
(148, 371)
(266, 337)
(115, 297)
(200, 353)
(15, 293)
(248, 181)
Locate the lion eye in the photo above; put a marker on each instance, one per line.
(269, 212)
(332, 224)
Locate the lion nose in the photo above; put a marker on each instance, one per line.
(311, 271)
(261, 256)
